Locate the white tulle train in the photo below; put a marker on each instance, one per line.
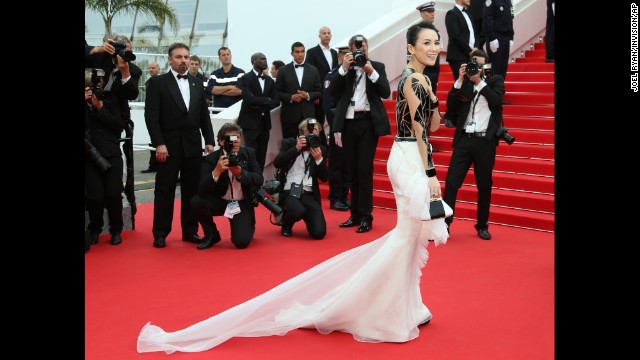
(371, 291)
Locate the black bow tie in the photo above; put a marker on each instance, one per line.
(297, 66)
(181, 76)
(464, 10)
(261, 76)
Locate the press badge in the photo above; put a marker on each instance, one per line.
(471, 127)
(232, 209)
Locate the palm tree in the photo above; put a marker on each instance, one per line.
(157, 9)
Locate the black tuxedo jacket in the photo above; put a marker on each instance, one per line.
(287, 85)
(316, 57)
(256, 102)
(460, 100)
(458, 47)
(250, 178)
(342, 88)
(287, 156)
(168, 120)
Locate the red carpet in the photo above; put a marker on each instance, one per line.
(490, 299)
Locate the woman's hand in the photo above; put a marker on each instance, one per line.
(434, 187)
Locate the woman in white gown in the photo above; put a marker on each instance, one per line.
(372, 291)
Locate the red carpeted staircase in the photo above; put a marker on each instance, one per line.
(523, 178)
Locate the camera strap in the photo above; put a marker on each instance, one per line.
(355, 84)
(476, 97)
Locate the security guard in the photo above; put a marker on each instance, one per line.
(497, 22)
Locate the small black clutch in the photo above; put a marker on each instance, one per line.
(439, 209)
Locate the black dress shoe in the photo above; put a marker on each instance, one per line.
(434, 150)
(286, 231)
(365, 226)
(339, 205)
(484, 234)
(353, 221)
(94, 238)
(348, 203)
(148, 170)
(116, 239)
(159, 242)
(193, 238)
(209, 241)
(425, 322)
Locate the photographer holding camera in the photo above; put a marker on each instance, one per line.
(229, 178)
(303, 160)
(362, 118)
(103, 160)
(475, 101)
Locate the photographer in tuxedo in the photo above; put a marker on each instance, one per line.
(229, 177)
(476, 101)
(303, 159)
(360, 119)
(259, 97)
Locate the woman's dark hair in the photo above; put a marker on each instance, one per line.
(413, 31)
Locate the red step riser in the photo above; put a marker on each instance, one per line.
(535, 53)
(510, 86)
(507, 110)
(518, 150)
(500, 180)
(505, 164)
(512, 75)
(515, 98)
(523, 136)
(511, 122)
(499, 215)
(533, 60)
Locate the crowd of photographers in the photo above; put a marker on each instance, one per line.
(230, 182)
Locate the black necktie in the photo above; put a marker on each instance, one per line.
(297, 66)
(182, 76)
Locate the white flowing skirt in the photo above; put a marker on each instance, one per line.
(371, 291)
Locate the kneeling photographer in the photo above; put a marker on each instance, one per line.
(475, 100)
(103, 159)
(303, 160)
(228, 180)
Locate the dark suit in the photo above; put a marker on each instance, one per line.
(287, 85)
(104, 189)
(315, 57)
(209, 200)
(255, 112)
(360, 134)
(479, 151)
(170, 123)
(458, 47)
(308, 208)
(497, 20)
(339, 176)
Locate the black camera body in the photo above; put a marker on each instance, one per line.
(95, 157)
(273, 187)
(234, 159)
(313, 140)
(121, 49)
(100, 93)
(472, 67)
(359, 57)
(502, 133)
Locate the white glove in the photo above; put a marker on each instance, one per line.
(494, 45)
(338, 137)
(510, 45)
